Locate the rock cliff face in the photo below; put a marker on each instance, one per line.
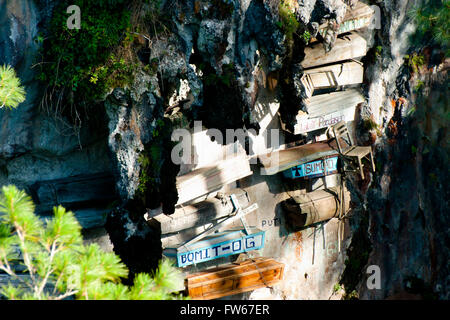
(407, 224)
(214, 65)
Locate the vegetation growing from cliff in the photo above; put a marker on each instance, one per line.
(12, 92)
(80, 66)
(433, 24)
(288, 22)
(157, 173)
(76, 63)
(57, 263)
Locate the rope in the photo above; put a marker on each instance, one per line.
(259, 271)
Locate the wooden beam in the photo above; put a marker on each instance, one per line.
(206, 180)
(234, 278)
(346, 48)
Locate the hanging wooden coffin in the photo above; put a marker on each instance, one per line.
(333, 76)
(234, 278)
(206, 180)
(313, 207)
(199, 214)
(345, 48)
(318, 168)
(217, 245)
(328, 109)
(359, 17)
(281, 160)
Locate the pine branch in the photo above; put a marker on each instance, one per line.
(67, 294)
(49, 270)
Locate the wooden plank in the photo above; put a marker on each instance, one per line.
(234, 279)
(346, 48)
(282, 160)
(307, 209)
(335, 75)
(328, 109)
(206, 180)
(217, 246)
(199, 214)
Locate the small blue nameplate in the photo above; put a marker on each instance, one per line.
(313, 169)
(217, 246)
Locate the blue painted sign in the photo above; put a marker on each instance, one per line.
(313, 169)
(217, 246)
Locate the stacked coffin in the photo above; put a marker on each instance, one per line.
(335, 69)
(208, 227)
(359, 17)
(328, 109)
(333, 76)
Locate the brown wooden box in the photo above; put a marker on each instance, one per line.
(234, 278)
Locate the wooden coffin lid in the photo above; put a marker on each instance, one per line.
(234, 278)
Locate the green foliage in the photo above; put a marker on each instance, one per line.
(419, 86)
(337, 287)
(433, 23)
(11, 91)
(81, 62)
(150, 161)
(415, 61)
(306, 36)
(378, 51)
(59, 265)
(288, 23)
(370, 124)
(226, 78)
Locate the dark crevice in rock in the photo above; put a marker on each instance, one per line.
(138, 245)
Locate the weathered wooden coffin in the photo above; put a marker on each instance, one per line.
(234, 278)
(206, 180)
(313, 207)
(88, 196)
(328, 109)
(217, 245)
(318, 168)
(333, 76)
(358, 17)
(282, 160)
(198, 214)
(346, 48)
